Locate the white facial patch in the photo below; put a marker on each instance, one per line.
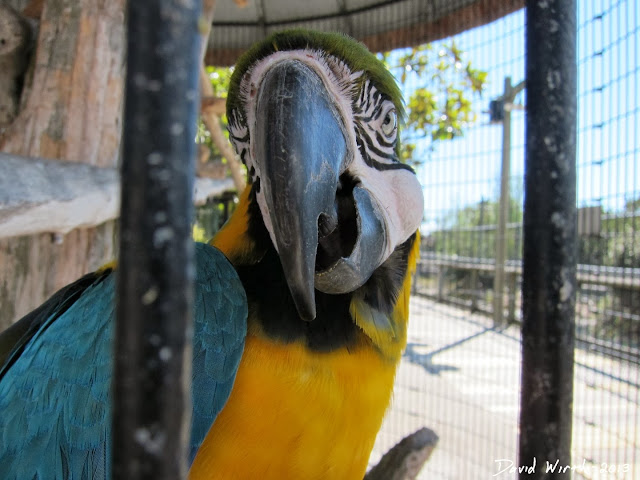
(337, 79)
(399, 195)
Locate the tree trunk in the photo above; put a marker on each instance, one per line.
(70, 109)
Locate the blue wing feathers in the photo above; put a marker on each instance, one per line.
(55, 386)
(217, 344)
(49, 385)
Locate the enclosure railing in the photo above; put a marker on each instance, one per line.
(466, 282)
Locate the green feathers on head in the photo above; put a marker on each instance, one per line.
(341, 46)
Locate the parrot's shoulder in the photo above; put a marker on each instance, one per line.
(14, 339)
(55, 380)
(220, 328)
(55, 383)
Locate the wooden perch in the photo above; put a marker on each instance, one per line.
(405, 460)
(206, 188)
(38, 195)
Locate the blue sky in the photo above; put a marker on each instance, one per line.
(467, 170)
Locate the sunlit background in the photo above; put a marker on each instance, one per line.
(460, 375)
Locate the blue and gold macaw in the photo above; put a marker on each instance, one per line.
(301, 299)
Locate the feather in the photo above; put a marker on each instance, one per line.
(55, 419)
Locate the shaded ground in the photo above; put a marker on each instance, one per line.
(460, 377)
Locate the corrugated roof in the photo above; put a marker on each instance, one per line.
(380, 24)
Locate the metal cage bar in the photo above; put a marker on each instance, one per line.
(549, 254)
(151, 390)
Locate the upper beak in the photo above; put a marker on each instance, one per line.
(300, 146)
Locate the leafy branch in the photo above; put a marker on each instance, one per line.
(442, 85)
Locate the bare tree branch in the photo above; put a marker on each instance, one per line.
(208, 6)
(405, 460)
(215, 105)
(212, 122)
(211, 116)
(42, 195)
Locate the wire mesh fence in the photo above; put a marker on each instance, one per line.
(461, 372)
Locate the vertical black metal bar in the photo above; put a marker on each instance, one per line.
(151, 389)
(549, 257)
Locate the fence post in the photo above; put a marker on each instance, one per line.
(503, 209)
(474, 290)
(442, 277)
(549, 255)
(151, 390)
(512, 281)
(506, 103)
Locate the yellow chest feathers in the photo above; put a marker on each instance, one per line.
(297, 414)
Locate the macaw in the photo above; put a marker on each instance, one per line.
(301, 299)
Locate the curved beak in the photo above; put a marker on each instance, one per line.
(300, 147)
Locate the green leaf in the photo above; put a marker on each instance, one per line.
(444, 85)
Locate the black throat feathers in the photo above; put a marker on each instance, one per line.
(271, 304)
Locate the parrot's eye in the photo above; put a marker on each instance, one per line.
(389, 123)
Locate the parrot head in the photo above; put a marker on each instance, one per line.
(314, 117)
